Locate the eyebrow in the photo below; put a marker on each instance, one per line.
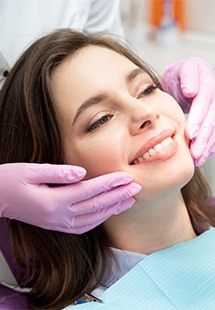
(133, 74)
(88, 103)
(101, 97)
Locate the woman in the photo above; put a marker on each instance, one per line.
(88, 101)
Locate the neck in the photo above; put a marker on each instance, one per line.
(150, 228)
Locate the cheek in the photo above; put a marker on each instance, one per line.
(97, 158)
(174, 111)
(100, 163)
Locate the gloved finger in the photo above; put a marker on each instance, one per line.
(85, 223)
(199, 146)
(71, 194)
(170, 75)
(203, 145)
(204, 157)
(105, 199)
(198, 112)
(189, 79)
(211, 146)
(54, 174)
(203, 151)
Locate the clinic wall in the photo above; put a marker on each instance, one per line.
(200, 15)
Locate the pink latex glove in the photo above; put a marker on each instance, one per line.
(192, 83)
(74, 208)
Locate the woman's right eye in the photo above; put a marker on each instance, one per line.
(148, 91)
(100, 122)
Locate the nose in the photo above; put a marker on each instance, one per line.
(143, 117)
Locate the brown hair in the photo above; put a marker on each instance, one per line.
(61, 267)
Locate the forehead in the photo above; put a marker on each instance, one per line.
(91, 60)
(100, 53)
(91, 69)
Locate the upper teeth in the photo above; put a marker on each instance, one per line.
(156, 149)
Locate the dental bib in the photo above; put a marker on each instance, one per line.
(180, 277)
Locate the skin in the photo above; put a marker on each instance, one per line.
(126, 117)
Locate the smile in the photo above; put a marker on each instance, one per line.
(154, 150)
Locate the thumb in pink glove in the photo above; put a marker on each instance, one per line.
(73, 208)
(192, 83)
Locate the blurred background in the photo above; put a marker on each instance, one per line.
(163, 31)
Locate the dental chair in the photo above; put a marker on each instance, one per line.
(9, 298)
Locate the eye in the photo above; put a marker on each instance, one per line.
(100, 122)
(149, 90)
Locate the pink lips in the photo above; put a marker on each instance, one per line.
(152, 142)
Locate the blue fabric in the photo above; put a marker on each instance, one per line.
(180, 277)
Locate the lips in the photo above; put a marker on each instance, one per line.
(154, 146)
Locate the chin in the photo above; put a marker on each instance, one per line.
(165, 182)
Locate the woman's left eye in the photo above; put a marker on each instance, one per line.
(149, 90)
(101, 121)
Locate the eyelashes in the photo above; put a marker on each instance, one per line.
(107, 117)
(101, 121)
(149, 90)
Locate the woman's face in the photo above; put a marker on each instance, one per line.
(112, 118)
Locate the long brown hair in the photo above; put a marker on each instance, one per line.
(60, 267)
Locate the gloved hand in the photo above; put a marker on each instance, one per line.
(192, 83)
(74, 208)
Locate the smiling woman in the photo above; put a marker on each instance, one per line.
(84, 100)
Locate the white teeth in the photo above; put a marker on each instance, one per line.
(151, 152)
(166, 142)
(141, 159)
(146, 155)
(156, 149)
